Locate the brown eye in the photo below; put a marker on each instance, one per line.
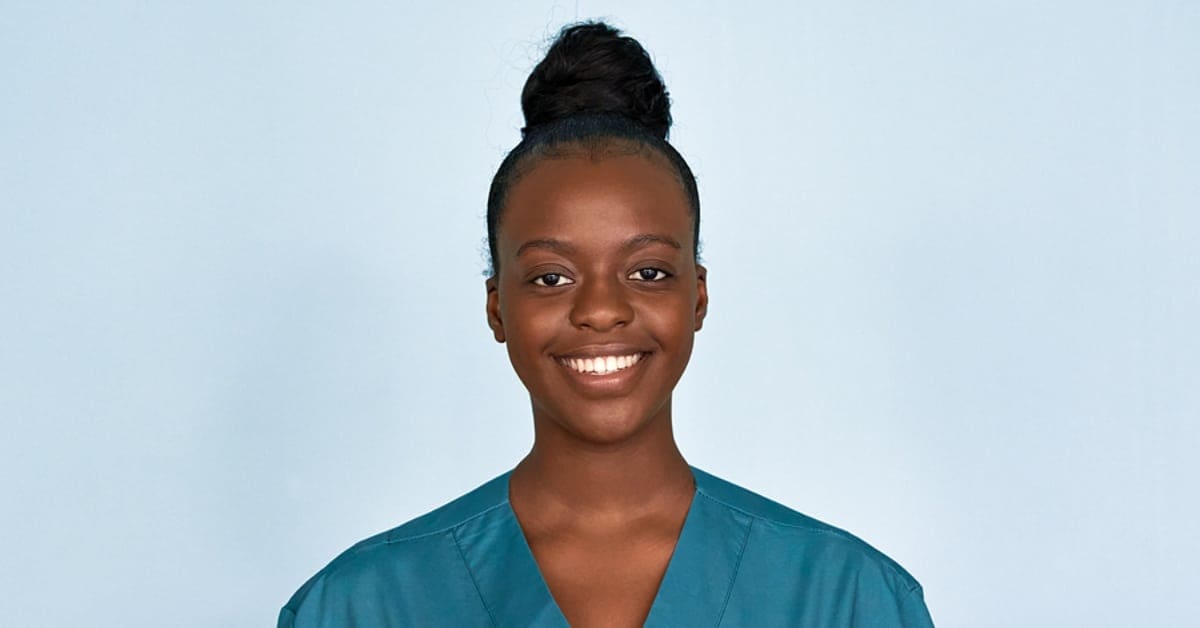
(551, 280)
(649, 274)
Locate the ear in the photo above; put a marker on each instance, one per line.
(701, 295)
(493, 309)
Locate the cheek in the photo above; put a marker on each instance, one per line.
(671, 320)
(529, 326)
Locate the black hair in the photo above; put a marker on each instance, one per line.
(596, 90)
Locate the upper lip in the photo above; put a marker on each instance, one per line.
(595, 351)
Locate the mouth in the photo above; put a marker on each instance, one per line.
(600, 365)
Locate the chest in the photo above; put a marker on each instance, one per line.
(607, 581)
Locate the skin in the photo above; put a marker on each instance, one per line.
(595, 256)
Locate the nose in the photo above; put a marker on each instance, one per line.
(601, 305)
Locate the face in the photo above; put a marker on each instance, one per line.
(597, 294)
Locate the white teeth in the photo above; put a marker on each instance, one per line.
(602, 365)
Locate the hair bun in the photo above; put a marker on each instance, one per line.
(591, 68)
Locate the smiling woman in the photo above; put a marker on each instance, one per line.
(591, 272)
(596, 291)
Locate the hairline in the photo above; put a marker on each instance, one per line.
(595, 148)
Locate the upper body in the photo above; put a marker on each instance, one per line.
(741, 560)
(597, 291)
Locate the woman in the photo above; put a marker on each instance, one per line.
(596, 290)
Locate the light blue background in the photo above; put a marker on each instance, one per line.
(954, 270)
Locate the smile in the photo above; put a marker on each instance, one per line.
(601, 364)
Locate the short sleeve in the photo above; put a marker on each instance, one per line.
(913, 612)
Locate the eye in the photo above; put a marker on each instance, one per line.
(649, 274)
(551, 280)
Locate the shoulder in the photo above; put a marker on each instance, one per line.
(488, 496)
(813, 545)
(408, 553)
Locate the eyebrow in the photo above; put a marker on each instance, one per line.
(646, 239)
(551, 244)
(636, 242)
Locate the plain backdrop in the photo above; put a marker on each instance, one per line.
(954, 270)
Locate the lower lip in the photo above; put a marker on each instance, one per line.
(608, 384)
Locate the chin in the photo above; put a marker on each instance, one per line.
(604, 427)
(608, 432)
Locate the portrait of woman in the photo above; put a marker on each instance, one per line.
(599, 313)
(597, 291)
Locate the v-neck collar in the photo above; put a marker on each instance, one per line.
(693, 591)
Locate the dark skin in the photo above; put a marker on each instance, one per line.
(595, 259)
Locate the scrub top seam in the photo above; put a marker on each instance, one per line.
(449, 528)
(736, 569)
(836, 533)
(743, 510)
(914, 599)
(471, 574)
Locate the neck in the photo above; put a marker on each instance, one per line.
(619, 481)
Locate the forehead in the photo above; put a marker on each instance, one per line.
(595, 199)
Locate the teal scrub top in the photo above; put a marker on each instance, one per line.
(741, 560)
